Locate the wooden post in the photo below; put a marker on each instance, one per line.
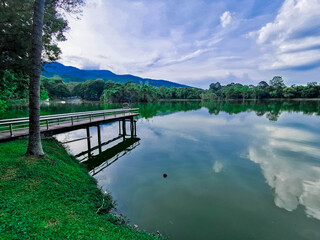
(47, 124)
(131, 126)
(119, 127)
(99, 138)
(11, 131)
(124, 127)
(135, 128)
(88, 141)
(72, 121)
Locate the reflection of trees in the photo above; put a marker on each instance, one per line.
(273, 116)
(56, 107)
(152, 109)
(260, 114)
(272, 109)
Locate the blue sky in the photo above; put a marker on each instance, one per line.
(197, 42)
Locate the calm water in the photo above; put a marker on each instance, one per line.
(234, 170)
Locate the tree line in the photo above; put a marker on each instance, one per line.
(14, 87)
(275, 89)
(115, 92)
(132, 92)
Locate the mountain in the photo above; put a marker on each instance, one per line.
(73, 74)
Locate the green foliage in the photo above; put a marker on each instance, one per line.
(236, 91)
(13, 85)
(16, 27)
(129, 92)
(277, 82)
(263, 84)
(276, 89)
(44, 95)
(54, 198)
(15, 41)
(208, 95)
(132, 92)
(90, 89)
(55, 87)
(3, 106)
(289, 92)
(215, 86)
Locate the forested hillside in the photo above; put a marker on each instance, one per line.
(73, 74)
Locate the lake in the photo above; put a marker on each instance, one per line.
(234, 170)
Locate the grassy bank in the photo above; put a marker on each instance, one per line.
(53, 198)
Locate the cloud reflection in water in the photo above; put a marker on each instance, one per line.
(294, 176)
(217, 167)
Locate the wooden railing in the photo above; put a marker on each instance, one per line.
(11, 125)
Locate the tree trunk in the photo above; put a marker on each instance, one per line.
(34, 146)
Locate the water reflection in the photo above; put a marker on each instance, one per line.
(289, 159)
(217, 167)
(233, 172)
(96, 163)
(95, 153)
(271, 109)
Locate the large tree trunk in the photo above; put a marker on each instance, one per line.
(35, 147)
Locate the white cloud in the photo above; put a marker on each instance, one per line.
(161, 40)
(295, 16)
(296, 59)
(225, 19)
(171, 40)
(307, 43)
(292, 40)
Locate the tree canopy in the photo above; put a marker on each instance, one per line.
(16, 27)
(16, 19)
(131, 92)
(275, 89)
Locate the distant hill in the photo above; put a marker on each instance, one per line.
(73, 74)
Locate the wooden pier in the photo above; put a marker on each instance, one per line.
(11, 129)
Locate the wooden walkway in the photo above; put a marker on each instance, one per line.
(11, 129)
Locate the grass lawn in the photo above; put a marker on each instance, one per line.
(53, 198)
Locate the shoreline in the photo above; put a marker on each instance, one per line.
(54, 197)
